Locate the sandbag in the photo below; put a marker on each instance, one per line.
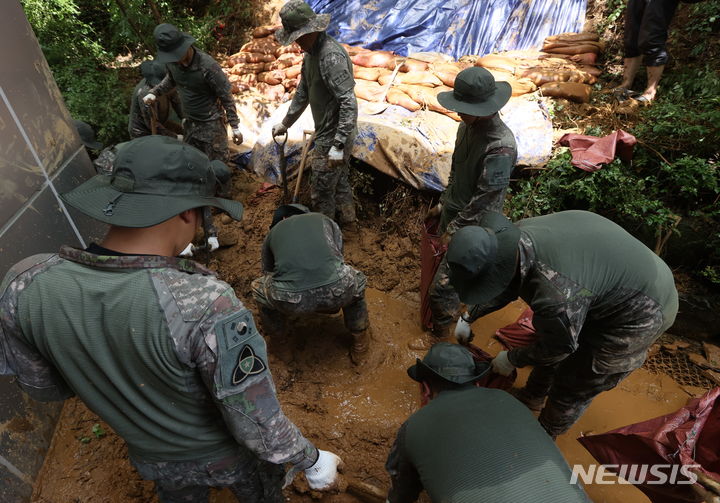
(431, 57)
(294, 58)
(375, 59)
(522, 86)
(574, 91)
(446, 72)
(361, 72)
(237, 88)
(353, 50)
(574, 37)
(285, 49)
(413, 65)
(560, 47)
(279, 64)
(367, 90)
(261, 45)
(243, 68)
(497, 62)
(248, 57)
(397, 97)
(293, 71)
(427, 96)
(587, 58)
(273, 93)
(289, 84)
(264, 31)
(542, 76)
(249, 79)
(414, 78)
(272, 78)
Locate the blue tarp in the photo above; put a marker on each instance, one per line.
(454, 27)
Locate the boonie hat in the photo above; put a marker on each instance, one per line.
(299, 19)
(451, 362)
(483, 259)
(288, 210)
(476, 93)
(153, 72)
(154, 178)
(87, 135)
(172, 43)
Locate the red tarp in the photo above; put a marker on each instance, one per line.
(590, 152)
(690, 436)
(431, 254)
(518, 334)
(491, 379)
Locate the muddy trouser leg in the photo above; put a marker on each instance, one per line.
(272, 319)
(573, 389)
(356, 313)
(343, 191)
(323, 183)
(444, 300)
(539, 383)
(211, 138)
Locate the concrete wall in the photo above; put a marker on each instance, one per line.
(40, 156)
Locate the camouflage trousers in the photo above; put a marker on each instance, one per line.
(250, 479)
(444, 300)
(348, 294)
(569, 386)
(211, 138)
(330, 190)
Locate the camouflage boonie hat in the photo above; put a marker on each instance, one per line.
(450, 362)
(153, 72)
(154, 178)
(172, 43)
(299, 19)
(476, 93)
(87, 135)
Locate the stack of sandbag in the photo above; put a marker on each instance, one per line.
(264, 65)
(581, 49)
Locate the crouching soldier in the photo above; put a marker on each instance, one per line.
(302, 257)
(599, 296)
(472, 444)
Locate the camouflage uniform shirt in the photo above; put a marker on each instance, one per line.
(591, 284)
(327, 84)
(140, 121)
(157, 346)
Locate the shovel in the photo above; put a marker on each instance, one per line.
(303, 156)
(283, 164)
(374, 108)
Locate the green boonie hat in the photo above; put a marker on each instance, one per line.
(483, 259)
(87, 135)
(153, 72)
(288, 210)
(476, 93)
(299, 19)
(450, 362)
(172, 43)
(154, 179)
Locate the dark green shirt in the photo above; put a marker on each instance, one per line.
(484, 156)
(303, 252)
(474, 445)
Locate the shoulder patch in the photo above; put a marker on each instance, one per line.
(242, 353)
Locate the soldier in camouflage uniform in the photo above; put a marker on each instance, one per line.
(599, 297)
(205, 97)
(484, 156)
(473, 444)
(141, 115)
(302, 257)
(156, 345)
(326, 84)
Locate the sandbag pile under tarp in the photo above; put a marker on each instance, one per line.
(264, 65)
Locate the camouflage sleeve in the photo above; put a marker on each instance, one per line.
(558, 329)
(34, 374)
(479, 310)
(232, 359)
(405, 482)
(334, 237)
(490, 190)
(220, 86)
(165, 86)
(267, 257)
(299, 102)
(338, 78)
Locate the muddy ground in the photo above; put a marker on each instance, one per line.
(354, 412)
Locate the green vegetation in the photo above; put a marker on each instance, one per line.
(93, 46)
(672, 186)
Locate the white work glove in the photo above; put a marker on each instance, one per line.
(335, 155)
(463, 331)
(279, 129)
(213, 243)
(501, 364)
(237, 136)
(188, 251)
(323, 473)
(149, 99)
